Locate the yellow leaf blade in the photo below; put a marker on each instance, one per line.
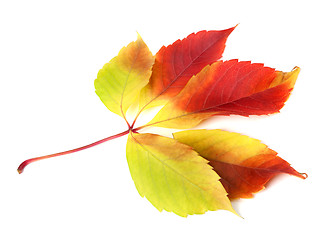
(173, 177)
(119, 82)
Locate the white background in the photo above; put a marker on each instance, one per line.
(50, 54)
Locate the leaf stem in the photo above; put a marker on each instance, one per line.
(27, 162)
(135, 119)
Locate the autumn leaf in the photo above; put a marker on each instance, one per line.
(197, 170)
(119, 82)
(244, 164)
(226, 88)
(175, 64)
(176, 180)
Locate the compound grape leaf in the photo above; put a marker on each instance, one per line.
(119, 82)
(175, 64)
(197, 170)
(173, 177)
(244, 164)
(225, 88)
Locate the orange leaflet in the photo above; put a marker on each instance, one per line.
(177, 63)
(226, 88)
(244, 164)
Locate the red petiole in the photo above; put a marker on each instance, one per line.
(27, 162)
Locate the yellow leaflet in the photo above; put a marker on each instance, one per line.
(119, 82)
(173, 177)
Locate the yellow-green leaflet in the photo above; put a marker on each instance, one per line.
(119, 82)
(173, 177)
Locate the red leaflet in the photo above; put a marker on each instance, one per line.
(225, 88)
(242, 88)
(177, 63)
